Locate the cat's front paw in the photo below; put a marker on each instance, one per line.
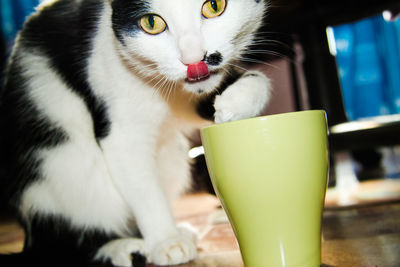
(175, 250)
(245, 98)
(120, 251)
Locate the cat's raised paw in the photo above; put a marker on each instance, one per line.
(245, 98)
(177, 250)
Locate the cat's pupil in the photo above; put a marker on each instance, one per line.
(151, 21)
(214, 5)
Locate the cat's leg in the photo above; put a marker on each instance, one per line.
(173, 162)
(245, 98)
(132, 164)
(174, 169)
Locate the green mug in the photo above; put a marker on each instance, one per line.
(270, 174)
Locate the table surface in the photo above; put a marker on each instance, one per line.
(360, 235)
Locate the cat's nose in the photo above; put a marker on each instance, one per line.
(191, 49)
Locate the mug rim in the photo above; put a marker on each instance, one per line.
(262, 118)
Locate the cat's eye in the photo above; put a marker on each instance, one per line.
(152, 24)
(213, 8)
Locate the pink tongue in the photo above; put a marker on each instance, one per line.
(197, 71)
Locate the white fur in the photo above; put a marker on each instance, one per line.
(244, 99)
(132, 173)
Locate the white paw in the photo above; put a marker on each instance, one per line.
(120, 251)
(246, 98)
(225, 115)
(175, 250)
(189, 231)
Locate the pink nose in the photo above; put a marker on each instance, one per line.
(191, 48)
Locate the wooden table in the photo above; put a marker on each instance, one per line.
(364, 236)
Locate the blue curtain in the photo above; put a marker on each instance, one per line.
(12, 16)
(368, 59)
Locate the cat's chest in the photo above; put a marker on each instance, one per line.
(128, 99)
(136, 107)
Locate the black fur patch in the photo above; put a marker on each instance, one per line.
(54, 242)
(126, 15)
(214, 59)
(64, 32)
(138, 260)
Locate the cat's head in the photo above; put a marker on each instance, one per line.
(165, 38)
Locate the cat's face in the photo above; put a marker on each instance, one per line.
(163, 38)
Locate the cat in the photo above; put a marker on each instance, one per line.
(94, 113)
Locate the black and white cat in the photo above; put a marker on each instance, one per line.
(93, 148)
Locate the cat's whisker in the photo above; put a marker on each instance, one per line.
(227, 71)
(237, 66)
(169, 89)
(151, 66)
(154, 78)
(266, 52)
(251, 60)
(271, 42)
(271, 35)
(157, 87)
(271, 46)
(173, 86)
(160, 86)
(163, 87)
(148, 83)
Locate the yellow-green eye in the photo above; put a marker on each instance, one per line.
(213, 8)
(152, 24)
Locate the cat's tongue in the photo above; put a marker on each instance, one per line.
(197, 71)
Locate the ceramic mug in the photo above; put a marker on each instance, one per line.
(270, 174)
